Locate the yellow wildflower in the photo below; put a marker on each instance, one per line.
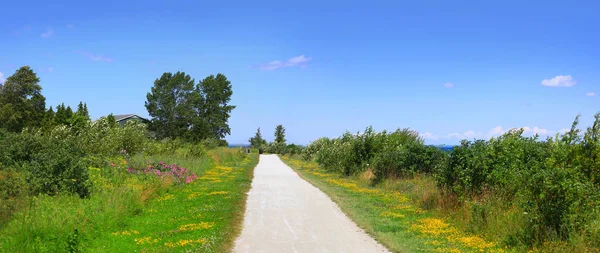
(182, 243)
(392, 214)
(146, 240)
(195, 226)
(165, 197)
(217, 193)
(475, 242)
(135, 232)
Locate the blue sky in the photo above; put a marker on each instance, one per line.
(448, 69)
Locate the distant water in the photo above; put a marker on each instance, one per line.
(446, 148)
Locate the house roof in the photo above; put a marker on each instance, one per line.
(126, 116)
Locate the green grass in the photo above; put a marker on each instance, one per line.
(390, 216)
(141, 214)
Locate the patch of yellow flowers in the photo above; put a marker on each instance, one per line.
(182, 243)
(217, 193)
(439, 228)
(392, 214)
(130, 232)
(195, 226)
(165, 197)
(146, 240)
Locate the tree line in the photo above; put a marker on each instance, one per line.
(179, 107)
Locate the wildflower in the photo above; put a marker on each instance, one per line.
(182, 243)
(217, 193)
(196, 226)
(392, 215)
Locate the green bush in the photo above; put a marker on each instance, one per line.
(13, 191)
(384, 152)
(58, 167)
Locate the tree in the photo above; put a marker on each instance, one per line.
(49, 119)
(168, 103)
(21, 101)
(82, 111)
(61, 116)
(280, 134)
(180, 109)
(80, 118)
(278, 145)
(211, 101)
(257, 141)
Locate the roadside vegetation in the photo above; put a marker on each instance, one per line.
(510, 193)
(278, 146)
(70, 184)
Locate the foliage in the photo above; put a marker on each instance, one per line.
(355, 153)
(292, 149)
(180, 174)
(278, 146)
(554, 182)
(257, 141)
(21, 101)
(182, 109)
(280, 134)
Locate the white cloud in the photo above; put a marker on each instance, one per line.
(536, 130)
(429, 136)
(471, 134)
(560, 81)
(466, 135)
(95, 57)
(298, 61)
(50, 69)
(70, 26)
(48, 33)
(2, 80)
(591, 94)
(449, 85)
(496, 131)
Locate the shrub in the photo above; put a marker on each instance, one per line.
(13, 191)
(58, 167)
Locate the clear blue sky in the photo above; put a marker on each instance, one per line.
(449, 69)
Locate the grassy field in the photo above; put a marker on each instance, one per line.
(391, 216)
(140, 213)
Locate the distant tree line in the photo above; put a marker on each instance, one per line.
(278, 146)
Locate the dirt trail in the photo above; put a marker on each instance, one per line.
(284, 213)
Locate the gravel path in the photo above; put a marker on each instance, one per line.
(284, 213)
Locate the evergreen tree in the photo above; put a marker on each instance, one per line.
(62, 117)
(21, 101)
(257, 141)
(49, 119)
(280, 134)
(279, 143)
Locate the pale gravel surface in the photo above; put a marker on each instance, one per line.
(284, 213)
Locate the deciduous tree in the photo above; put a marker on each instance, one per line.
(181, 109)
